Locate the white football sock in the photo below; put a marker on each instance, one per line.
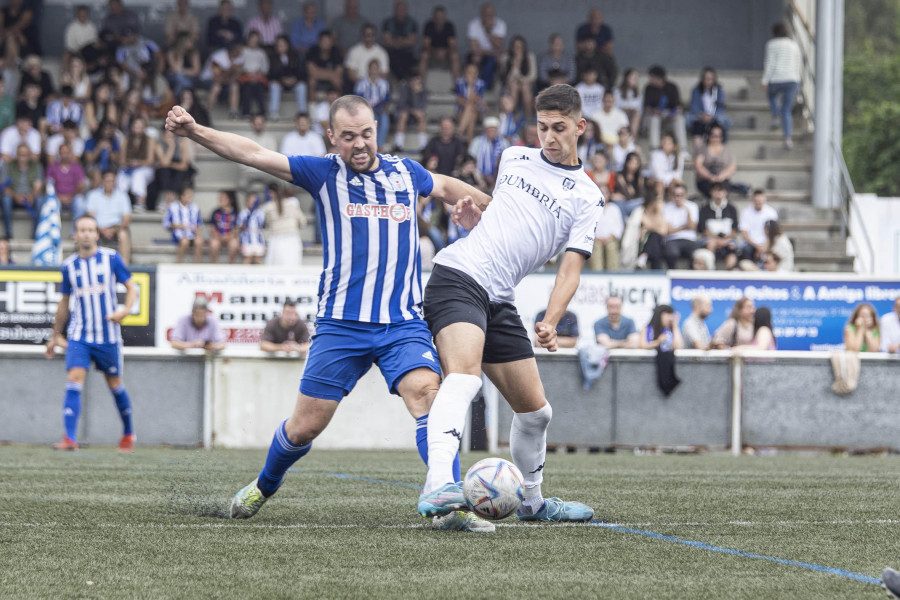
(528, 446)
(399, 139)
(423, 141)
(446, 422)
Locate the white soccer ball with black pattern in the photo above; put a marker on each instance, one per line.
(493, 488)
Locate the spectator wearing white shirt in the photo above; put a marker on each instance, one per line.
(591, 94)
(781, 78)
(890, 330)
(487, 40)
(253, 80)
(610, 119)
(79, 33)
(111, 207)
(753, 226)
(222, 71)
(610, 228)
(622, 148)
(681, 216)
(666, 164)
(64, 109)
(630, 99)
(303, 141)
(22, 132)
(361, 54)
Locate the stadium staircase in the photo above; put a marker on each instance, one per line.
(762, 162)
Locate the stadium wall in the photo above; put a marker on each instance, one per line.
(685, 34)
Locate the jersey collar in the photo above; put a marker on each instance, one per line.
(558, 166)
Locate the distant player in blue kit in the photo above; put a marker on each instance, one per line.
(89, 280)
(370, 291)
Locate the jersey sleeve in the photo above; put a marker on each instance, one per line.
(581, 237)
(119, 268)
(66, 287)
(309, 172)
(424, 181)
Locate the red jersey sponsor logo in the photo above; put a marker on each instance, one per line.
(394, 212)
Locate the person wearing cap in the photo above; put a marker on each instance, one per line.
(198, 329)
(65, 108)
(487, 147)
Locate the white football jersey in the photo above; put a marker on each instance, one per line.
(538, 210)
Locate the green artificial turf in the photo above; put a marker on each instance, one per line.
(98, 524)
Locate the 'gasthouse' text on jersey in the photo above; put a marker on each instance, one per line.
(518, 182)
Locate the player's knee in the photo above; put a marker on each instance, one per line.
(301, 432)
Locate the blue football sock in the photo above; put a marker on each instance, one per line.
(422, 445)
(123, 403)
(282, 454)
(71, 409)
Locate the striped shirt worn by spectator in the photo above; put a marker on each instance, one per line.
(487, 152)
(377, 92)
(58, 113)
(92, 284)
(181, 214)
(268, 30)
(251, 222)
(782, 62)
(463, 89)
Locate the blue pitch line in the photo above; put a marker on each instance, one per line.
(711, 548)
(370, 480)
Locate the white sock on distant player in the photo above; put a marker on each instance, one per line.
(399, 139)
(528, 446)
(445, 426)
(423, 141)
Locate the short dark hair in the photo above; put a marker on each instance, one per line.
(718, 185)
(657, 71)
(301, 115)
(85, 216)
(288, 302)
(108, 172)
(779, 30)
(758, 191)
(69, 124)
(561, 98)
(349, 103)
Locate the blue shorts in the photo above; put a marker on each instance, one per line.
(343, 351)
(107, 357)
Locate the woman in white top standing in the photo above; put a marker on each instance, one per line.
(284, 219)
(666, 164)
(781, 78)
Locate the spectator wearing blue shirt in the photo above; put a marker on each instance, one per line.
(376, 89)
(111, 208)
(566, 329)
(615, 330)
(305, 30)
(184, 221)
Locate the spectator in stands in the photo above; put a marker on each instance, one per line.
(779, 247)
(589, 56)
(174, 167)
(510, 123)
(486, 148)
(251, 221)
(566, 329)
(666, 164)
(717, 226)
(348, 26)
(439, 42)
(529, 136)
(598, 170)
(101, 152)
(258, 133)
(224, 230)
(136, 52)
(622, 148)
(302, 141)
(198, 330)
(117, 21)
(610, 228)
(320, 114)
(597, 30)
(662, 332)
(101, 108)
(10, 77)
(76, 76)
(266, 24)
(222, 73)
(400, 36)
(305, 29)
(32, 107)
(79, 33)
(364, 52)
(630, 185)
(681, 216)
(5, 252)
(589, 142)
(181, 21)
(487, 36)
(23, 132)
(284, 220)
(469, 100)
(518, 74)
(25, 188)
(610, 119)
(752, 224)
(377, 91)
(187, 101)
(68, 135)
(662, 105)
(763, 337)
(98, 57)
(861, 333)
(19, 29)
(136, 160)
(715, 163)
(69, 180)
(119, 81)
(616, 330)
(468, 172)
(629, 98)
(7, 108)
(112, 210)
(447, 147)
(737, 330)
(287, 69)
(325, 65)
(890, 330)
(223, 29)
(412, 99)
(651, 249)
(253, 80)
(182, 63)
(703, 260)
(184, 222)
(707, 108)
(591, 94)
(781, 79)
(694, 330)
(555, 59)
(286, 332)
(63, 109)
(770, 262)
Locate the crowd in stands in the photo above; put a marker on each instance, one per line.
(115, 84)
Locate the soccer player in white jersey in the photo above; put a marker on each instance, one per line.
(89, 280)
(543, 204)
(370, 291)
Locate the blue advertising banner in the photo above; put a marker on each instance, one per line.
(809, 312)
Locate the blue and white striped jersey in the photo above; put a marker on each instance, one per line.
(91, 285)
(370, 237)
(179, 214)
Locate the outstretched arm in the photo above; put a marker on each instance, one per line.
(233, 147)
(451, 189)
(567, 279)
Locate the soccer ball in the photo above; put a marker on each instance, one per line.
(493, 488)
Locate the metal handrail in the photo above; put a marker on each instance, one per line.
(806, 39)
(849, 206)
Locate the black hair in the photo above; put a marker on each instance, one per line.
(762, 318)
(561, 98)
(779, 30)
(232, 199)
(657, 71)
(656, 319)
(704, 72)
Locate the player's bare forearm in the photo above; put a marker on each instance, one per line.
(131, 293)
(451, 189)
(62, 316)
(567, 279)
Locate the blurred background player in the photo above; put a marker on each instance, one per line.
(94, 335)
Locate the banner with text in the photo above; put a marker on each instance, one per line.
(809, 312)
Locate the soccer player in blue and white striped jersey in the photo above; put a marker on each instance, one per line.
(88, 304)
(370, 291)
